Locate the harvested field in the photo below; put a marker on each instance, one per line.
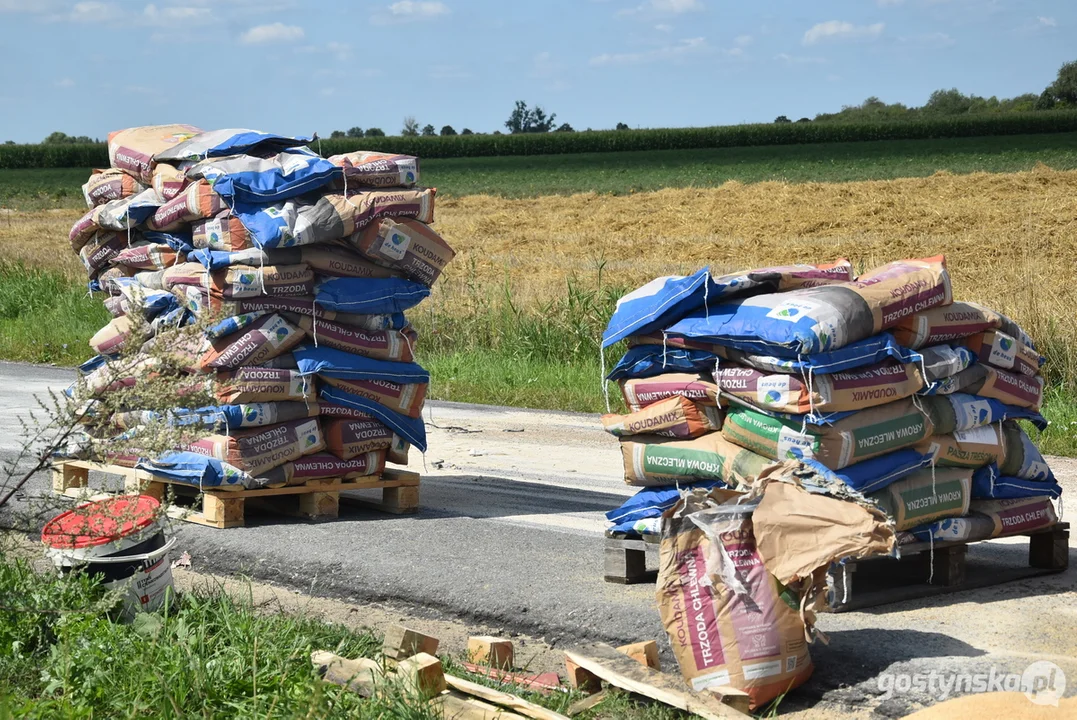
(508, 293)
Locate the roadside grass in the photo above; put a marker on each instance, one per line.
(1060, 437)
(480, 346)
(209, 655)
(624, 173)
(45, 317)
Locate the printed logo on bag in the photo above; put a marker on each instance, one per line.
(772, 389)
(308, 431)
(396, 245)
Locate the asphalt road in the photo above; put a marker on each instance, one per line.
(510, 535)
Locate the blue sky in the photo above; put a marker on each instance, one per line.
(92, 66)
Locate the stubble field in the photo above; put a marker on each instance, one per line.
(515, 319)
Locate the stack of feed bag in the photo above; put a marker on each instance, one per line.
(881, 383)
(279, 280)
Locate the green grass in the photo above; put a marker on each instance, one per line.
(478, 348)
(45, 317)
(1060, 437)
(43, 188)
(209, 655)
(627, 172)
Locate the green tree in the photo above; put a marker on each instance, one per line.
(1046, 101)
(802, 120)
(529, 120)
(56, 138)
(411, 127)
(375, 132)
(565, 127)
(336, 134)
(355, 132)
(447, 130)
(1064, 88)
(428, 130)
(622, 126)
(949, 102)
(466, 131)
(782, 119)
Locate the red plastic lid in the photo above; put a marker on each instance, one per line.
(98, 523)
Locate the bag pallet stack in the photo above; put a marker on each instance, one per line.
(879, 388)
(279, 280)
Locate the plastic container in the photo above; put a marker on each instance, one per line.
(121, 539)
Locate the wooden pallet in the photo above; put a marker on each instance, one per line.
(945, 563)
(889, 580)
(225, 508)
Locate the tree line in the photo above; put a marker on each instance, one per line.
(1061, 94)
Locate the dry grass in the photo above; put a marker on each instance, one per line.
(1011, 239)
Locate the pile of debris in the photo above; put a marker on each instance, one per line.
(878, 392)
(279, 279)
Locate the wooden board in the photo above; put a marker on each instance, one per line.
(624, 673)
(227, 507)
(625, 562)
(880, 581)
(504, 699)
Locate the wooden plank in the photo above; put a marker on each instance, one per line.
(625, 562)
(622, 672)
(423, 674)
(497, 697)
(225, 508)
(455, 706)
(544, 683)
(873, 598)
(581, 679)
(731, 696)
(399, 500)
(589, 702)
(68, 475)
(388, 479)
(401, 643)
(645, 653)
(492, 651)
(1050, 550)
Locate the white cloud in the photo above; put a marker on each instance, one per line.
(93, 12)
(839, 30)
(690, 46)
(733, 52)
(417, 10)
(64, 83)
(277, 32)
(27, 6)
(663, 7)
(742, 40)
(1047, 21)
(174, 14)
(663, 28)
(676, 7)
(799, 59)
